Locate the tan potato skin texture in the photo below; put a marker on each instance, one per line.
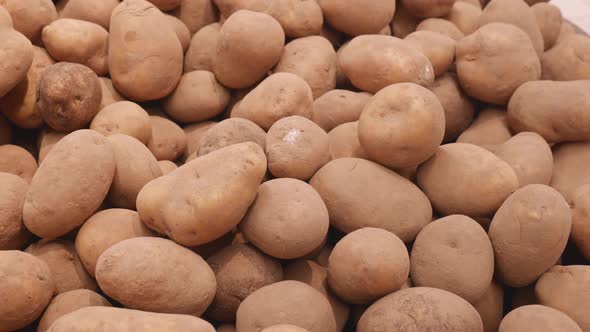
(228, 181)
(194, 134)
(298, 18)
(465, 16)
(344, 142)
(5, 19)
(181, 31)
(165, 5)
(357, 17)
(18, 161)
(538, 318)
(15, 60)
(123, 117)
(201, 51)
(196, 13)
(452, 180)
(284, 328)
(98, 12)
(168, 140)
(569, 168)
(27, 287)
(438, 48)
(441, 26)
(229, 132)
(145, 56)
(489, 129)
(549, 19)
(89, 161)
(30, 17)
(428, 8)
(14, 235)
(568, 60)
(46, 141)
(226, 328)
(109, 94)
(177, 280)
(490, 307)
(420, 309)
(104, 319)
(266, 307)
(581, 220)
(166, 166)
(337, 107)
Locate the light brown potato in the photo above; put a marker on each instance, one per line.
(226, 328)
(427, 8)
(403, 22)
(198, 97)
(201, 51)
(441, 26)
(14, 235)
(490, 307)
(337, 107)
(145, 56)
(68, 302)
(68, 96)
(420, 309)
(344, 142)
(27, 286)
(98, 12)
(166, 166)
(365, 57)
(103, 319)
(357, 17)
(580, 221)
(165, 5)
(457, 106)
(5, 130)
(179, 281)
(88, 159)
(402, 125)
(455, 254)
(31, 16)
(284, 328)
(567, 30)
(438, 48)
(5, 19)
(538, 318)
(298, 18)
(307, 308)
(568, 60)
(569, 171)
(196, 13)
(494, 61)
(171, 206)
(109, 94)
(17, 161)
(490, 128)
(229, 132)
(229, 7)
(181, 31)
(168, 140)
(123, 117)
(194, 134)
(465, 16)
(549, 19)
(439, 179)
(46, 141)
(240, 270)
(16, 58)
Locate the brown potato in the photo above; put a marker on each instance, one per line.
(27, 287)
(298, 18)
(98, 12)
(88, 160)
(226, 328)
(16, 58)
(194, 134)
(490, 307)
(229, 132)
(181, 31)
(357, 17)
(489, 129)
(145, 56)
(402, 125)
(420, 309)
(458, 107)
(567, 30)
(5, 130)
(5, 19)
(109, 94)
(68, 302)
(228, 7)
(31, 16)
(201, 51)
(569, 170)
(428, 8)
(284, 328)
(438, 48)
(165, 5)
(549, 19)
(567, 60)
(123, 117)
(365, 57)
(46, 141)
(337, 107)
(441, 26)
(465, 16)
(196, 13)
(307, 308)
(580, 221)
(17, 161)
(13, 235)
(166, 166)
(403, 22)
(344, 142)
(538, 318)
(240, 270)
(168, 140)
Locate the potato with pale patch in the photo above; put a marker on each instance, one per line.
(17, 161)
(568, 60)
(428, 8)
(337, 107)
(168, 140)
(465, 16)
(538, 318)
(344, 142)
(489, 129)
(16, 57)
(490, 307)
(200, 54)
(569, 170)
(123, 117)
(196, 13)
(357, 17)
(442, 26)
(581, 221)
(98, 12)
(438, 48)
(549, 19)
(13, 235)
(229, 132)
(30, 17)
(68, 302)
(459, 109)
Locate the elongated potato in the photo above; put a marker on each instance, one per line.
(357, 17)
(567, 60)
(490, 307)
(98, 12)
(459, 109)
(168, 140)
(426, 8)
(489, 129)
(201, 51)
(344, 142)
(569, 172)
(196, 13)
(539, 318)
(17, 161)
(123, 117)
(549, 19)
(438, 48)
(229, 132)
(31, 16)
(14, 235)
(16, 58)
(580, 221)
(465, 16)
(68, 302)
(337, 107)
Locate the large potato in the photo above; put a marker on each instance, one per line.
(145, 56)
(13, 234)
(201, 51)
(458, 107)
(16, 57)
(337, 107)
(123, 117)
(569, 171)
(30, 17)
(196, 13)
(18, 161)
(549, 19)
(344, 142)
(229, 132)
(465, 16)
(568, 60)
(227, 182)
(358, 17)
(89, 162)
(581, 220)
(167, 140)
(538, 318)
(442, 26)
(98, 12)
(490, 307)
(438, 48)
(428, 8)
(68, 302)
(490, 128)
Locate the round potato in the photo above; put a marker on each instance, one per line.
(538, 318)
(580, 221)
(337, 107)
(344, 142)
(358, 17)
(569, 172)
(428, 8)
(490, 307)
(194, 134)
(16, 58)
(17, 161)
(166, 166)
(13, 235)
(98, 12)
(30, 17)
(442, 26)
(168, 140)
(229, 132)
(465, 16)
(438, 48)
(123, 117)
(298, 18)
(489, 129)
(201, 51)
(196, 13)
(567, 60)
(548, 17)
(109, 94)
(457, 106)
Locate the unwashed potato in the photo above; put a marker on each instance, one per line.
(17, 161)
(438, 48)
(403, 22)
(194, 134)
(428, 8)
(420, 309)
(109, 94)
(298, 18)
(196, 13)
(168, 140)
(103, 319)
(98, 12)
(344, 142)
(458, 108)
(89, 162)
(145, 57)
(538, 318)
(229, 132)
(568, 60)
(337, 107)
(490, 307)
(569, 172)
(78, 41)
(201, 51)
(179, 281)
(490, 128)
(166, 166)
(284, 328)
(240, 270)
(5, 129)
(228, 180)
(27, 287)
(30, 17)
(465, 16)
(549, 19)
(441, 26)
(16, 59)
(373, 62)
(13, 235)
(357, 17)
(307, 308)
(581, 220)
(123, 117)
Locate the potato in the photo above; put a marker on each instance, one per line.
(229, 7)
(27, 286)
(19, 105)
(240, 270)
(357, 17)
(564, 288)
(298, 18)
(490, 307)
(490, 128)
(457, 106)
(88, 160)
(494, 61)
(5, 130)
(439, 179)
(14, 235)
(515, 12)
(438, 48)
(168, 140)
(426, 8)
(266, 307)
(569, 172)
(109, 94)
(384, 260)
(548, 17)
(296, 148)
(580, 221)
(46, 141)
(337, 107)
(364, 58)
(194, 134)
(31, 16)
(16, 58)
(103, 230)
(123, 117)
(5, 19)
(226, 328)
(98, 12)
(403, 22)
(229, 132)
(465, 16)
(145, 56)
(567, 30)
(441, 26)
(78, 41)
(284, 328)
(17, 161)
(166, 166)
(68, 302)
(530, 156)
(254, 37)
(179, 281)
(420, 309)
(344, 142)
(402, 125)
(170, 204)
(165, 5)
(198, 97)
(181, 31)
(68, 96)
(538, 318)
(567, 60)
(196, 13)
(103, 319)
(201, 51)
(455, 254)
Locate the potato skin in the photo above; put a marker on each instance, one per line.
(580, 221)
(549, 19)
(14, 235)
(123, 117)
(5, 19)
(490, 306)
(426, 8)
(357, 17)
(465, 16)
(298, 18)
(337, 107)
(16, 59)
(459, 109)
(403, 22)
(229, 132)
(89, 161)
(166, 166)
(47, 140)
(438, 48)
(284, 328)
(344, 142)
(31, 16)
(68, 302)
(98, 12)
(168, 140)
(539, 318)
(17, 161)
(196, 13)
(569, 172)
(567, 60)
(200, 54)
(194, 133)
(489, 129)
(441, 26)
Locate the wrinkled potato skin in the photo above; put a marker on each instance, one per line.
(337, 107)
(17, 161)
(229, 132)
(196, 14)
(16, 59)
(358, 17)
(490, 307)
(14, 235)
(427, 8)
(441, 26)
(168, 140)
(30, 17)
(549, 19)
(490, 128)
(344, 142)
(569, 170)
(123, 117)
(201, 51)
(568, 60)
(538, 318)
(581, 220)
(438, 48)
(98, 12)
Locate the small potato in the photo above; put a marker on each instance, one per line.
(103, 230)
(296, 148)
(279, 95)
(179, 281)
(428, 8)
(568, 60)
(168, 140)
(490, 128)
(452, 180)
(442, 26)
(123, 117)
(239, 270)
(538, 318)
(98, 12)
(13, 234)
(99, 319)
(166, 166)
(569, 170)
(458, 107)
(357, 17)
(266, 307)
(438, 48)
(365, 57)
(455, 254)
(494, 61)
(284, 328)
(490, 307)
(16, 57)
(344, 142)
(27, 287)
(465, 16)
(31, 16)
(229, 132)
(287, 220)
(196, 13)
(46, 141)
(402, 125)
(420, 309)
(403, 22)
(384, 260)
(68, 96)
(68, 302)
(549, 19)
(298, 18)
(17, 161)
(249, 45)
(580, 221)
(197, 97)
(337, 107)
(5, 130)
(89, 162)
(194, 134)
(78, 41)
(201, 51)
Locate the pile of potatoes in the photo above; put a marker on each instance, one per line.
(293, 166)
